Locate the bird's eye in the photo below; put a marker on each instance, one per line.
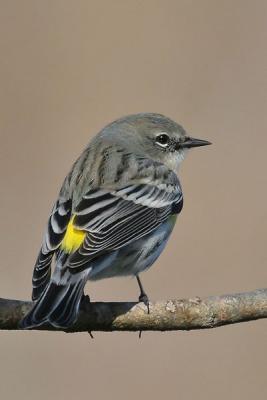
(163, 140)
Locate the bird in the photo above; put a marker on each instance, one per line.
(113, 216)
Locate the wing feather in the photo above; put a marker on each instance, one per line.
(114, 218)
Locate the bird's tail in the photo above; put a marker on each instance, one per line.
(59, 304)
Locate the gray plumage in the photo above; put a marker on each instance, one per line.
(119, 202)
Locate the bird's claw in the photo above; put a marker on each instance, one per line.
(91, 335)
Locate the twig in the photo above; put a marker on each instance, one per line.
(168, 315)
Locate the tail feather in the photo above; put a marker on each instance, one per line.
(66, 313)
(59, 304)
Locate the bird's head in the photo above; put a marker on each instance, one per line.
(154, 136)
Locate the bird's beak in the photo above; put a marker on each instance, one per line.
(192, 142)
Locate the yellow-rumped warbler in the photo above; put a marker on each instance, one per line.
(114, 214)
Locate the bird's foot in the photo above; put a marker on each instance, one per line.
(144, 299)
(85, 303)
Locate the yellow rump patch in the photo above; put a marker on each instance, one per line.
(73, 238)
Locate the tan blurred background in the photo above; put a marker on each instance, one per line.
(66, 69)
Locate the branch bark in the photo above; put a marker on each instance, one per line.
(184, 314)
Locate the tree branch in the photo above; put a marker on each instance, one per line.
(168, 315)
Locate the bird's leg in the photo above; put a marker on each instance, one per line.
(143, 296)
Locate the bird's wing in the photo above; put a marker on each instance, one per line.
(55, 231)
(114, 218)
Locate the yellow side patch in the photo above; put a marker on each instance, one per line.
(73, 238)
